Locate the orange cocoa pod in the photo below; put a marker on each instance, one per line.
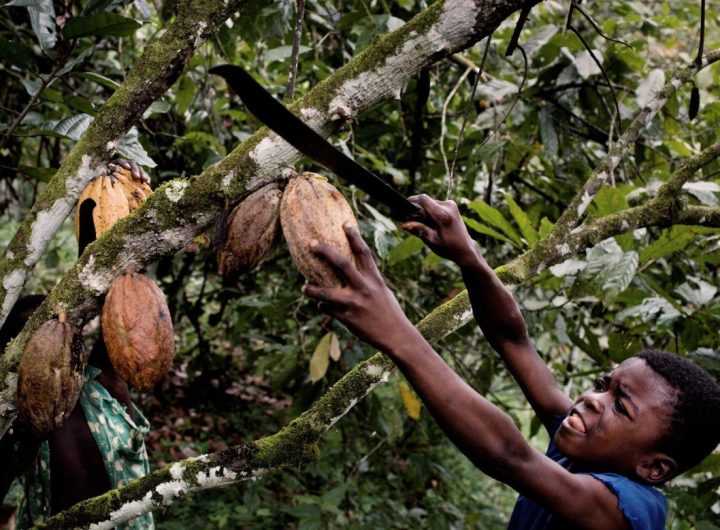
(111, 204)
(137, 330)
(312, 208)
(253, 230)
(136, 190)
(50, 375)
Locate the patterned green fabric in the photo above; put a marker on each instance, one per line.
(121, 443)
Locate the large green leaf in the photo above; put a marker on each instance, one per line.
(102, 24)
(523, 221)
(493, 216)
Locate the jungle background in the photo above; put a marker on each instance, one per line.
(253, 353)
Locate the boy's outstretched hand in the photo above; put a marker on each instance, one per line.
(445, 234)
(365, 304)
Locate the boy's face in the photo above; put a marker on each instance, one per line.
(616, 425)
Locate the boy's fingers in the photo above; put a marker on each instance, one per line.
(435, 210)
(341, 263)
(420, 230)
(360, 250)
(327, 295)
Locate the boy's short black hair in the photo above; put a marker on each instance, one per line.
(694, 429)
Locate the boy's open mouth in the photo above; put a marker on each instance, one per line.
(575, 422)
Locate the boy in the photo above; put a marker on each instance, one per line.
(651, 418)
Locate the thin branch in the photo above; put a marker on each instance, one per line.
(299, 16)
(443, 127)
(597, 28)
(461, 136)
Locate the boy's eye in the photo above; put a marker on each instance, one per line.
(620, 407)
(600, 385)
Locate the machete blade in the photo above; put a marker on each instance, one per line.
(293, 130)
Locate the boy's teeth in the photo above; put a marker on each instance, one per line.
(576, 423)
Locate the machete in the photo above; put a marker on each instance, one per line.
(295, 132)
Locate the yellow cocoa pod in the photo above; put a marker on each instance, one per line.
(252, 232)
(50, 375)
(312, 208)
(136, 190)
(111, 204)
(137, 330)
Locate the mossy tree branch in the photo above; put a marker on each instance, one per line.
(155, 71)
(556, 241)
(182, 209)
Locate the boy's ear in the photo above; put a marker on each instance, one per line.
(657, 468)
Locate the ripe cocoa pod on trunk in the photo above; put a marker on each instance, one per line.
(253, 230)
(50, 375)
(312, 208)
(136, 190)
(137, 330)
(115, 195)
(111, 204)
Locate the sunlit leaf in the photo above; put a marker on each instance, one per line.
(493, 216)
(408, 247)
(42, 20)
(523, 221)
(320, 359)
(410, 400)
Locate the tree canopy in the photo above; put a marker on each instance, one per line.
(583, 157)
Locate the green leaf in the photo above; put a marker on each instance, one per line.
(43, 174)
(488, 149)
(79, 103)
(320, 359)
(483, 229)
(523, 221)
(131, 148)
(548, 134)
(42, 20)
(100, 24)
(16, 53)
(99, 79)
(673, 240)
(408, 247)
(545, 226)
(71, 127)
(284, 52)
(492, 216)
(184, 93)
(618, 276)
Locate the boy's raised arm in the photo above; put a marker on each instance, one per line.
(485, 434)
(494, 308)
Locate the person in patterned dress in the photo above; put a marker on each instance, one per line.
(100, 447)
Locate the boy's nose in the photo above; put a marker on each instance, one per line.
(593, 401)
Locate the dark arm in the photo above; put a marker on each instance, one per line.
(494, 308)
(484, 433)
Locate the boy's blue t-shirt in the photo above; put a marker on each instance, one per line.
(644, 507)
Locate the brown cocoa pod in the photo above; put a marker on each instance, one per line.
(50, 375)
(253, 230)
(111, 204)
(137, 330)
(312, 208)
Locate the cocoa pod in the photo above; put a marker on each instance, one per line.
(111, 204)
(136, 190)
(50, 375)
(137, 330)
(253, 230)
(312, 208)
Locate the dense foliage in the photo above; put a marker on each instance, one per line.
(254, 353)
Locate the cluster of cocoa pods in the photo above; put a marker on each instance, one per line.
(136, 324)
(310, 208)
